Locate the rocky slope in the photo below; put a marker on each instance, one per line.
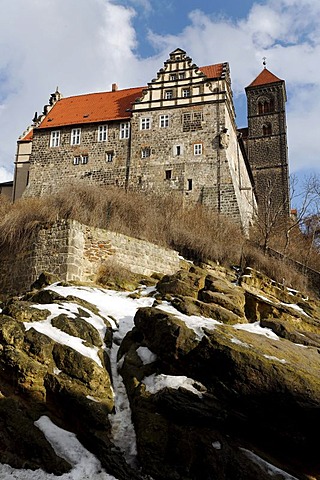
(221, 370)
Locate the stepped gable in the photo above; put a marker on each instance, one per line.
(92, 107)
(264, 78)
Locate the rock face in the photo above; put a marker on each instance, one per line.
(246, 386)
(221, 370)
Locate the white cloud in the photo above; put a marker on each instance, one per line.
(5, 175)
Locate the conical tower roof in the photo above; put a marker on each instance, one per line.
(264, 78)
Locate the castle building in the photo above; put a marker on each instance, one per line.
(176, 134)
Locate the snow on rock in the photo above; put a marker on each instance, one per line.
(268, 467)
(217, 445)
(146, 356)
(66, 445)
(271, 357)
(154, 383)
(257, 329)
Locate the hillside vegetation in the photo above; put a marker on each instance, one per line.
(195, 232)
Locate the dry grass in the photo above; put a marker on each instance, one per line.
(195, 232)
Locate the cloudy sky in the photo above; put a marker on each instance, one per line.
(84, 46)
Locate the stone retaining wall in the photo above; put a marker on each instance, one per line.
(73, 251)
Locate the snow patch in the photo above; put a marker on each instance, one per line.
(217, 445)
(271, 357)
(266, 466)
(146, 356)
(257, 329)
(154, 383)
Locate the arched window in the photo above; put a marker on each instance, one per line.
(265, 105)
(260, 108)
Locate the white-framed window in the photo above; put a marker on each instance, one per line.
(145, 152)
(76, 160)
(197, 149)
(109, 157)
(164, 121)
(75, 136)
(186, 92)
(102, 133)
(124, 130)
(84, 159)
(145, 123)
(55, 138)
(168, 94)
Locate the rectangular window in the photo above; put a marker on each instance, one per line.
(172, 76)
(178, 150)
(102, 133)
(145, 123)
(168, 174)
(164, 121)
(125, 130)
(197, 149)
(182, 75)
(75, 136)
(168, 94)
(76, 160)
(186, 92)
(109, 157)
(84, 159)
(189, 184)
(55, 138)
(145, 152)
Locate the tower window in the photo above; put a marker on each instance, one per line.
(267, 129)
(189, 184)
(266, 106)
(168, 174)
(178, 150)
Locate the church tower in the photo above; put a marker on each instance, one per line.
(267, 143)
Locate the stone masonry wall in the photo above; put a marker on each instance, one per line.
(72, 251)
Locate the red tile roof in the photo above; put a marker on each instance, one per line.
(104, 106)
(28, 137)
(212, 71)
(264, 78)
(92, 107)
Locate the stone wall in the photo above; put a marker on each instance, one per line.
(72, 251)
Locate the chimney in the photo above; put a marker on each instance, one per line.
(114, 87)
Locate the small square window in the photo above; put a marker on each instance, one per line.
(182, 75)
(172, 76)
(197, 149)
(75, 136)
(145, 123)
(76, 160)
(102, 133)
(55, 138)
(168, 94)
(145, 152)
(186, 92)
(84, 159)
(164, 121)
(109, 157)
(168, 174)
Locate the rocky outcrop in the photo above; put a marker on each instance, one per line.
(221, 370)
(246, 385)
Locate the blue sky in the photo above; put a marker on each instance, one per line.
(84, 46)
